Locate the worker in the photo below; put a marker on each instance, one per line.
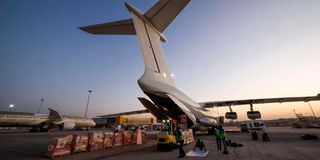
(180, 141)
(221, 138)
(200, 145)
(216, 134)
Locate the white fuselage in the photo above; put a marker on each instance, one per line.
(11, 119)
(79, 122)
(16, 119)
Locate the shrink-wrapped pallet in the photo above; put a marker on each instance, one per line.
(79, 143)
(117, 139)
(188, 136)
(60, 146)
(107, 140)
(128, 138)
(95, 141)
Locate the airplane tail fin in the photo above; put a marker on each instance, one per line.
(148, 27)
(54, 115)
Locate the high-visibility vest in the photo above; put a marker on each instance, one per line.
(217, 133)
(223, 134)
(220, 134)
(180, 136)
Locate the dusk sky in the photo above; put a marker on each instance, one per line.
(217, 50)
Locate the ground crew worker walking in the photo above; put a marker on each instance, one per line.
(221, 138)
(180, 141)
(218, 140)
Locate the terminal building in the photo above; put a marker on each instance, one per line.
(109, 121)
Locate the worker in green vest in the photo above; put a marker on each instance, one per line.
(221, 136)
(180, 141)
(217, 135)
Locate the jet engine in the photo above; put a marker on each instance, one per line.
(231, 115)
(254, 115)
(67, 125)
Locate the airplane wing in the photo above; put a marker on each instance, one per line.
(258, 101)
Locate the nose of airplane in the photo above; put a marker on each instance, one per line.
(93, 123)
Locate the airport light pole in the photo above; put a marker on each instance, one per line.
(85, 115)
(11, 106)
(42, 100)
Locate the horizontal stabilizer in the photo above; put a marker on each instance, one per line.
(164, 12)
(159, 15)
(123, 27)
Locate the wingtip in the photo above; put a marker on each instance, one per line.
(85, 29)
(128, 5)
(82, 28)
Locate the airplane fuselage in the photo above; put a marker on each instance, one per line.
(155, 87)
(9, 119)
(79, 122)
(20, 119)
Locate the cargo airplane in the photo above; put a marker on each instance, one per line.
(157, 81)
(43, 122)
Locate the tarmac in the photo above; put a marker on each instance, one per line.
(285, 144)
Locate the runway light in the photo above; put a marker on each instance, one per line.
(11, 105)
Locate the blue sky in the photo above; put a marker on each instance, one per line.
(218, 50)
